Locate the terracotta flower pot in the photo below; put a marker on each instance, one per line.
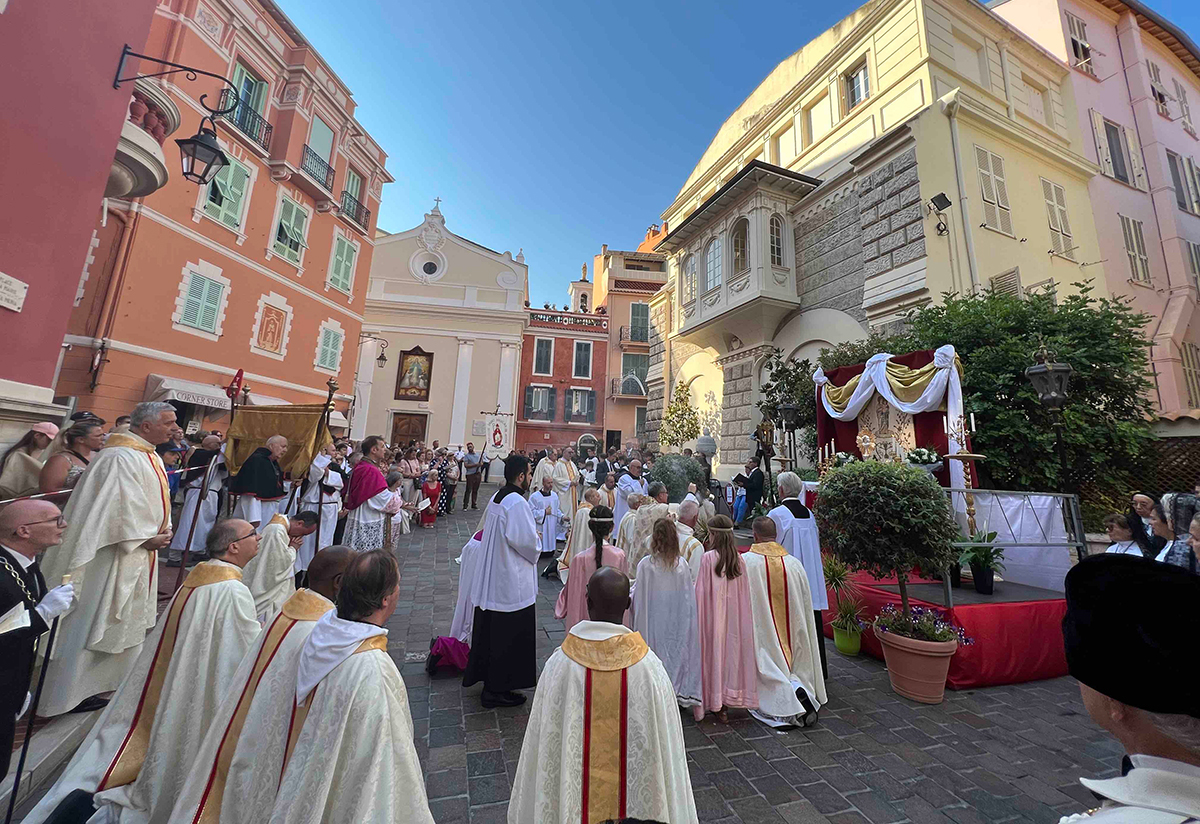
(917, 669)
(847, 642)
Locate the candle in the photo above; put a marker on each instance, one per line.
(972, 421)
(946, 425)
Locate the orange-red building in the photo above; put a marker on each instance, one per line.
(263, 270)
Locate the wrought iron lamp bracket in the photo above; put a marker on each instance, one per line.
(189, 72)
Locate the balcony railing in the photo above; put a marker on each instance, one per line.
(249, 122)
(317, 168)
(629, 386)
(635, 334)
(354, 210)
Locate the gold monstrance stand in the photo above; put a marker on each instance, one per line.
(957, 430)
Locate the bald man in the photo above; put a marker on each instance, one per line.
(258, 485)
(26, 606)
(249, 733)
(193, 482)
(629, 719)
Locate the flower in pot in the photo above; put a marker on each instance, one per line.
(847, 628)
(984, 558)
(887, 519)
(917, 647)
(925, 458)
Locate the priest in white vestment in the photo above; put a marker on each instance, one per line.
(504, 590)
(628, 520)
(690, 548)
(608, 493)
(138, 754)
(797, 531)
(628, 484)
(566, 485)
(580, 536)
(544, 468)
(546, 514)
(193, 483)
(258, 485)
(791, 688)
(653, 507)
(270, 574)
(118, 517)
(323, 495)
(235, 776)
(603, 686)
(354, 760)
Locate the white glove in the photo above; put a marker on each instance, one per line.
(55, 602)
(25, 706)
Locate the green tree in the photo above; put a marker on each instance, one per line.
(680, 423)
(790, 381)
(676, 471)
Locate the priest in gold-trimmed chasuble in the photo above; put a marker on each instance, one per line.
(140, 751)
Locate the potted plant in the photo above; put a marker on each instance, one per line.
(925, 458)
(888, 519)
(847, 627)
(984, 558)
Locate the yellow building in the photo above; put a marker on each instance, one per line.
(917, 147)
(448, 315)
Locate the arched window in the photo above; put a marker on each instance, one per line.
(583, 302)
(777, 241)
(712, 265)
(687, 289)
(741, 251)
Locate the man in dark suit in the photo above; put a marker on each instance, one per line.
(606, 465)
(26, 529)
(754, 488)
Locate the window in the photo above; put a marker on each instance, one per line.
(741, 252)
(320, 139)
(1135, 249)
(783, 146)
(202, 303)
(583, 359)
(1191, 373)
(639, 322)
(687, 288)
(227, 194)
(634, 369)
(580, 406)
(543, 356)
(1185, 176)
(1118, 151)
(252, 92)
(777, 241)
(354, 184)
(341, 272)
(639, 423)
(818, 120)
(1157, 90)
(712, 265)
(289, 235)
(1040, 108)
(1081, 50)
(1185, 111)
(583, 304)
(1193, 251)
(1008, 283)
(997, 214)
(1056, 214)
(329, 349)
(858, 86)
(968, 58)
(539, 403)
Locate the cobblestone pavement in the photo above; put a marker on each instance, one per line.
(991, 755)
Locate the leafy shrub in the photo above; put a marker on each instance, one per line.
(676, 471)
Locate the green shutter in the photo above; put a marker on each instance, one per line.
(528, 401)
(211, 307)
(289, 238)
(235, 194)
(330, 344)
(354, 184)
(591, 405)
(194, 300)
(343, 264)
(551, 403)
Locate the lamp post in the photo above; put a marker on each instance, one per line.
(1050, 380)
(789, 414)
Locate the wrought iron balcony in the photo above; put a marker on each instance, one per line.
(635, 334)
(317, 168)
(630, 386)
(249, 122)
(355, 211)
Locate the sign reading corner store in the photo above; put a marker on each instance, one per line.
(12, 292)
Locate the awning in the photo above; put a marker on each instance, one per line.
(266, 400)
(164, 388)
(337, 419)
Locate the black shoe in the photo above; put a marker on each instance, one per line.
(491, 700)
(90, 704)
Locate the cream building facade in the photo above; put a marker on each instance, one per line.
(917, 147)
(451, 313)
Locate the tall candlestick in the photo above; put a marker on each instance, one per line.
(972, 423)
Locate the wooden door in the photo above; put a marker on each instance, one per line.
(407, 428)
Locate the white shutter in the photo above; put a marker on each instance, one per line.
(1008, 283)
(1106, 164)
(1056, 235)
(998, 179)
(1137, 168)
(1185, 111)
(1064, 225)
(1130, 245)
(987, 187)
(1143, 260)
(1191, 174)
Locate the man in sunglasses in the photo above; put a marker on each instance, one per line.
(27, 607)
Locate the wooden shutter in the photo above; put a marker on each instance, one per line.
(194, 300)
(988, 187)
(330, 344)
(1008, 283)
(1139, 238)
(1185, 111)
(230, 182)
(1191, 173)
(528, 401)
(354, 184)
(591, 406)
(998, 180)
(1136, 167)
(211, 306)
(1105, 158)
(551, 403)
(343, 264)
(1060, 199)
(1056, 235)
(299, 219)
(1130, 245)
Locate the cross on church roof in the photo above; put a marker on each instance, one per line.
(438, 201)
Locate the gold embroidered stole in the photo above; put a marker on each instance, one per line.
(305, 605)
(605, 720)
(777, 594)
(121, 439)
(127, 763)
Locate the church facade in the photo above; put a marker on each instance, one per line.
(918, 147)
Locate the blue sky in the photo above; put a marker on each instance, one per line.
(557, 126)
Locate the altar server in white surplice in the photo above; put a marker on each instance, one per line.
(235, 776)
(270, 575)
(137, 756)
(797, 531)
(546, 514)
(627, 485)
(790, 686)
(118, 517)
(580, 536)
(354, 759)
(606, 687)
(323, 495)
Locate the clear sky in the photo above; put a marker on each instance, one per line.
(557, 126)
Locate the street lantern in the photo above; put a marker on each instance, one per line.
(381, 361)
(1050, 381)
(202, 156)
(790, 413)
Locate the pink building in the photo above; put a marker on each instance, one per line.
(1146, 202)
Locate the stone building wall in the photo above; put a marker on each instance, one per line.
(738, 415)
(890, 215)
(656, 386)
(829, 251)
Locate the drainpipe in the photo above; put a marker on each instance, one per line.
(950, 104)
(1008, 98)
(116, 281)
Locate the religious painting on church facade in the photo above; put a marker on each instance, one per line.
(415, 375)
(270, 329)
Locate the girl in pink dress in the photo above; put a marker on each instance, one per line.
(572, 599)
(729, 673)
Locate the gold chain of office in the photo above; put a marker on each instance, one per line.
(20, 580)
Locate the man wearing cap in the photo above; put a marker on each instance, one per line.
(1131, 664)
